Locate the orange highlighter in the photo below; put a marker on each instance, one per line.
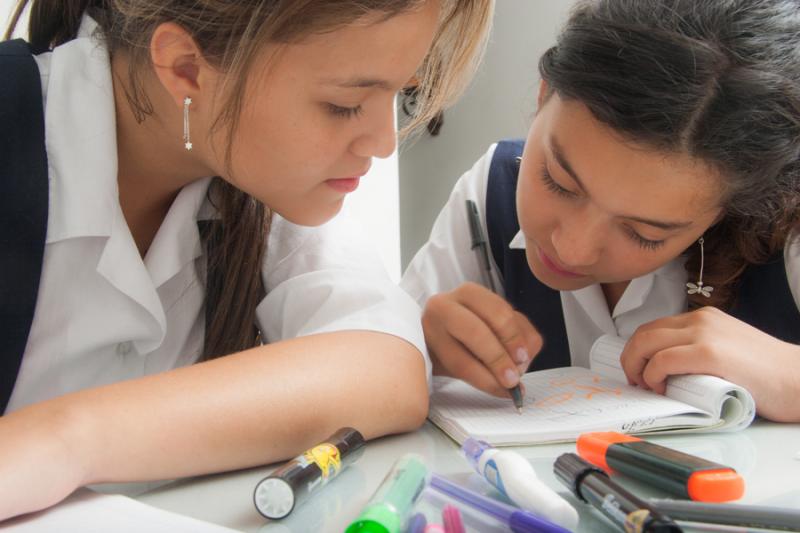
(673, 471)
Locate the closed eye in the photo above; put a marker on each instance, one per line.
(647, 244)
(344, 112)
(554, 187)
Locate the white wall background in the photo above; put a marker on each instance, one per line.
(498, 105)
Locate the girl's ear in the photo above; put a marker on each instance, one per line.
(178, 62)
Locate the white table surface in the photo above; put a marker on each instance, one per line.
(766, 454)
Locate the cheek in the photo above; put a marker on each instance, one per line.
(536, 211)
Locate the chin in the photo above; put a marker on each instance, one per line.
(310, 215)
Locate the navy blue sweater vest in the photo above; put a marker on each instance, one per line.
(764, 299)
(23, 204)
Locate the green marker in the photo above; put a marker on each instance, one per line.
(388, 508)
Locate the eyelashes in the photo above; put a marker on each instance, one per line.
(551, 185)
(647, 244)
(554, 187)
(343, 112)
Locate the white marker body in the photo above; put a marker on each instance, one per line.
(515, 477)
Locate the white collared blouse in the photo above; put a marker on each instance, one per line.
(105, 314)
(447, 260)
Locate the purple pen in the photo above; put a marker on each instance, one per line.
(518, 520)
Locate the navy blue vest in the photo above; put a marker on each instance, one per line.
(23, 204)
(764, 299)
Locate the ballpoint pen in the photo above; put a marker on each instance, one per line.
(481, 248)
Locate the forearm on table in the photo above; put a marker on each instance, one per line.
(255, 407)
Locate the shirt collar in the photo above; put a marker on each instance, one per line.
(518, 242)
(80, 135)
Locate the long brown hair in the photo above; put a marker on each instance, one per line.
(230, 34)
(719, 81)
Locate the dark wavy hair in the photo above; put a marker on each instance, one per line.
(718, 80)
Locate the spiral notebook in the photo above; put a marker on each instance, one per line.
(562, 403)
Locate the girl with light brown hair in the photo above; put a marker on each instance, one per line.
(195, 155)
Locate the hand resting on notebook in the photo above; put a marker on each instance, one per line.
(709, 341)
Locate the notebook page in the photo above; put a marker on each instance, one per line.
(732, 403)
(89, 512)
(560, 404)
(604, 357)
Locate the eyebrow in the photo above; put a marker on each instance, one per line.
(558, 153)
(360, 83)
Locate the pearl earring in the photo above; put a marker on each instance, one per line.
(699, 288)
(187, 142)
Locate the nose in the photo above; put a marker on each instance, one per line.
(578, 240)
(379, 137)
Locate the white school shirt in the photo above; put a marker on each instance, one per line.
(447, 260)
(104, 314)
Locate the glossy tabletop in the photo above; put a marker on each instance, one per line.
(766, 454)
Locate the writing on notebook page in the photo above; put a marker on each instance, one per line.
(574, 388)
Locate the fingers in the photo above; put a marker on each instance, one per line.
(454, 360)
(677, 360)
(512, 329)
(645, 343)
(475, 335)
(689, 338)
(470, 331)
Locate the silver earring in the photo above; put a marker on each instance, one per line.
(187, 142)
(699, 288)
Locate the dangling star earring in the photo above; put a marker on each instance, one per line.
(187, 142)
(693, 288)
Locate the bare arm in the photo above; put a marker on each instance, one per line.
(254, 407)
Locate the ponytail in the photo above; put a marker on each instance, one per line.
(52, 22)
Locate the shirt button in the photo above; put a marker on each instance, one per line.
(124, 348)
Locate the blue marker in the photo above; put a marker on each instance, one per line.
(514, 476)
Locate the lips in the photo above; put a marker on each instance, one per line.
(549, 263)
(344, 185)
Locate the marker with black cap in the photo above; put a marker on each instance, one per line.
(592, 485)
(278, 494)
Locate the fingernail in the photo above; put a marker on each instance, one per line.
(521, 355)
(511, 377)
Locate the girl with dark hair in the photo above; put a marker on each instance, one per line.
(656, 198)
(194, 155)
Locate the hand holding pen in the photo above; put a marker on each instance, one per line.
(474, 334)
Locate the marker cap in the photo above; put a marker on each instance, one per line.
(376, 518)
(274, 498)
(571, 469)
(473, 449)
(715, 486)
